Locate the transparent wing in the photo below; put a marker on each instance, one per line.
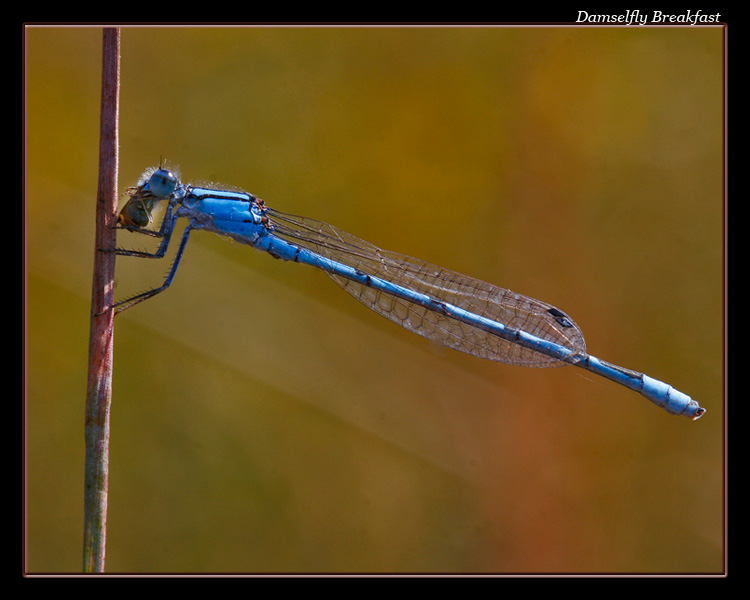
(500, 305)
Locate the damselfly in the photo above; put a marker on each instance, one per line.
(458, 311)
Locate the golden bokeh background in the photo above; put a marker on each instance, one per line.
(264, 421)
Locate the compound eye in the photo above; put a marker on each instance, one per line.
(162, 183)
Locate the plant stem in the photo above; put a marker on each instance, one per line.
(101, 340)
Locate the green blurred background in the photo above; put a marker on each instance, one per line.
(264, 421)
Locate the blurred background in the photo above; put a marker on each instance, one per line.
(265, 421)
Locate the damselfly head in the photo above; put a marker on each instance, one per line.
(155, 185)
(162, 183)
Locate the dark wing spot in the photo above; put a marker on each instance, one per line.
(560, 317)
